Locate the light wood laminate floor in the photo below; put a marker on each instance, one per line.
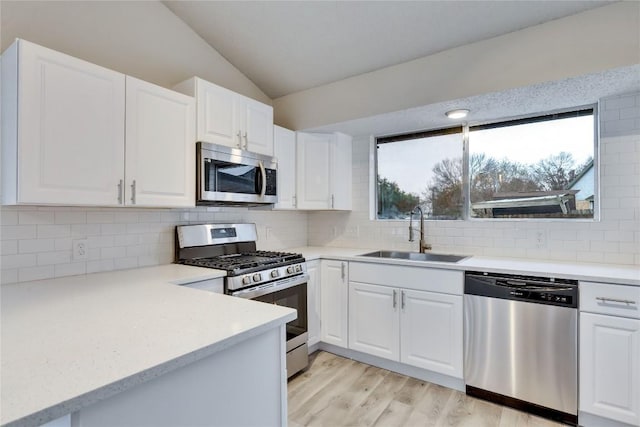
(335, 391)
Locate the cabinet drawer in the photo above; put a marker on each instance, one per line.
(605, 298)
(417, 278)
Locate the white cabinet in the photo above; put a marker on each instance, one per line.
(313, 302)
(228, 118)
(334, 294)
(324, 177)
(610, 351)
(402, 323)
(374, 320)
(284, 150)
(160, 146)
(66, 142)
(431, 331)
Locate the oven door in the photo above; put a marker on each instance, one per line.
(290, 292)
(234, 176)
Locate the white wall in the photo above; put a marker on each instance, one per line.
(36, 241)
(599, 39)
(143, 39)
(615, 239)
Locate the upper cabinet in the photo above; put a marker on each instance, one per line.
(66, 135)
(228, 118)
(160, 146)
(284, 150)
(323, 171)
(63, 123)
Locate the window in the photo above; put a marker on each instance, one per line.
(540, 167)
(420, 169)
(537, 167)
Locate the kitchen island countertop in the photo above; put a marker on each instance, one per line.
(72, 341)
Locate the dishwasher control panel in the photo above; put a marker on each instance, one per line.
(541, 290)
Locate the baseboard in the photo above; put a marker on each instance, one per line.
(401, 368)
(589, 420)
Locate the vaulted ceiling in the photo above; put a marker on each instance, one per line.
(288, 46)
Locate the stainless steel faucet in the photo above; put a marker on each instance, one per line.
(424, 246)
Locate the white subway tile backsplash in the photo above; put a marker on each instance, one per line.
(35, 217)
(71, 269)
(49, 231)
(13, 232)
(8, 247)
(9, 275)
(36, 245)
(99, 217)
(36, 273)
(70, 217)
(51, 258)
(17, 260)
(8, 217)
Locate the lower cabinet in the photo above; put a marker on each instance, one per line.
(610, 367)
(418, 328)
(334, 296)
(313, 302)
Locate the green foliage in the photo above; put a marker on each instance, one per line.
(392, 201)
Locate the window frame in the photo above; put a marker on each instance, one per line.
(465, 129)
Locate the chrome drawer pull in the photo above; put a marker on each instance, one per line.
(620, 301)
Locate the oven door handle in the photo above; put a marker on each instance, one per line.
(273, 287)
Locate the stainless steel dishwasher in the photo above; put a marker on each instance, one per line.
(521, 343)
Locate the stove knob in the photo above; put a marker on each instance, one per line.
(298, 268)
(290, 270)
(275, 274)
(257, 277)
(246, 280)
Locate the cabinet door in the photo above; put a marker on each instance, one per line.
(313, 301)
(160, 146)
(610, 367)
(313, 154)
(431, 331)
(284, 147)
(70, 128)
(257, 131)
(374, 320)
(218, 121)
(341, 172)
(334, 294)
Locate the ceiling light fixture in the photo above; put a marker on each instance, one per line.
(457, 114)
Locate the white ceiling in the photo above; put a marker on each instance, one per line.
(288, 46)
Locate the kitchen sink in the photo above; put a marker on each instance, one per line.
(416, 256)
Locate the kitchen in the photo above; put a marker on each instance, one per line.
(37, 241)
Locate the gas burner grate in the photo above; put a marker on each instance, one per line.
(236, 264)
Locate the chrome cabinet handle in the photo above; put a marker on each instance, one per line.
(120, 192)
(239, 135)
(294, 201)
(133, 192)
(395, 296)
(619, 301)
(402, 302)
(342, 270)
(333, 199)
(246, 140)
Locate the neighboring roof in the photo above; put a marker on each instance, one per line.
(582, 173)
(559, 198)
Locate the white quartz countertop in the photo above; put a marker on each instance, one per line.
(607, 273)
(69, 342)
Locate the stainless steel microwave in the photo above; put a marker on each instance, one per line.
(231, 176)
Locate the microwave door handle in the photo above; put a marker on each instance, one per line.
(263, 172)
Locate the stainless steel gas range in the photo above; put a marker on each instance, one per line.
(273, 277)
